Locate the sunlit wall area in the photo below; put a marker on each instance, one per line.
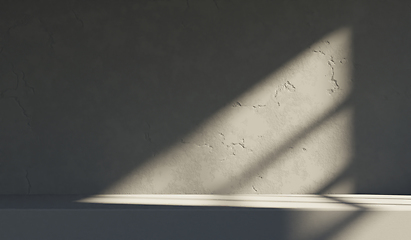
(289, 133)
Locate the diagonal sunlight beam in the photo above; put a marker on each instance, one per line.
(300, 114)
(343, 36)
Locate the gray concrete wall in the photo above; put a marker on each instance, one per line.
(205, 97)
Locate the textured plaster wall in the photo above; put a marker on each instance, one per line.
(204, 97)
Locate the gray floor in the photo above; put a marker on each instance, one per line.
(61, 217)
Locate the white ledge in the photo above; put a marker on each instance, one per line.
(303, 202)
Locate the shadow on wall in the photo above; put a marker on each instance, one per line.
(381, 96)
(92, 91)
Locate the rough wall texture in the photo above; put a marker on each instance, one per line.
(205, 97)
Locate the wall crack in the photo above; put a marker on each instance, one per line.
(286, 86)
(289, 86)
(215, 3)
(237, 104)
(319, 51)
(336, 87)
(26, 84)
(16, 99)
(78, 18)
(17, 77)
(259, 106)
